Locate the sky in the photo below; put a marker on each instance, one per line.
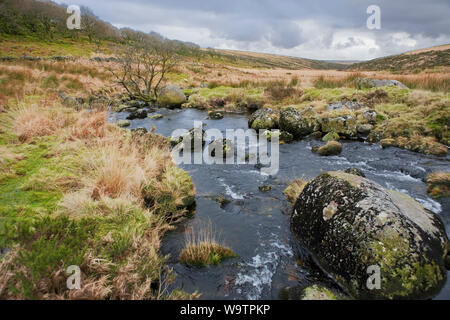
(315, 29)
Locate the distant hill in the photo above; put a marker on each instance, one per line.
(265, 60)
(410, 61)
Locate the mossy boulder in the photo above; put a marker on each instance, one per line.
(138, 114)
(156, 116)
(299, 123)
(350, 223)
(215, 115)
(344, 126)
(171, 97)
(265, 118)
(364, 129)
(332, 148)
(123, 123)
(331, 136)
(311, 292)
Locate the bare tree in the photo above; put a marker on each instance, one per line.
(144, 62)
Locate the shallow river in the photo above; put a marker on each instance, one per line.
(255, 224)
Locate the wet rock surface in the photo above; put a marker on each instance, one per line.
(350, 223)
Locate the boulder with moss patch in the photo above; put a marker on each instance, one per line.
(265, 118)
(299, 123)
(344, 126)
(332, 148)
(350, 223)
(171, 97)
(331, 136)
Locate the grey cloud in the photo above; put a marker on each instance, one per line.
(250, 23)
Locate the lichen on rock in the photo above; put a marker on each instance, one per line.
(350, 223)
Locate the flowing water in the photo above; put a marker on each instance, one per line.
(255, 224)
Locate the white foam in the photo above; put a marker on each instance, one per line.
(230, 191)
(257, 275)
(430, 204)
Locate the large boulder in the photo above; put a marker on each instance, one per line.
(299, 123)
(265, 118)
(171, 97)
(375, 83)
(344, 126)
(352, 226)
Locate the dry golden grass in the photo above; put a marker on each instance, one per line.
(295, 188)
(438, 184)
(202, 247)
(32, 120)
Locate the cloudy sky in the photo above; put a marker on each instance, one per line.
(316, 29)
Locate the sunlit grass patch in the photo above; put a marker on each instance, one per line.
(202, 248)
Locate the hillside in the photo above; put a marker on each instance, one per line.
(414, 61)
(265, 60)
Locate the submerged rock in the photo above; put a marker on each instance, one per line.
(156, 116)
(171, 97)
(265, 118)
(265, 188)
(353, 226)
(299, 123)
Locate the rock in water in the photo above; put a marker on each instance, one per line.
(215, 115)
(299, 123)
(332, 148)
(123, 123)
(171, 97)
(350, 223)
(263, 119)
(138, 114)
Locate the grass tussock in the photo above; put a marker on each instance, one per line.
(323, 82)
(438, 184)
(294, 189)
(74, 195)
(202, 248)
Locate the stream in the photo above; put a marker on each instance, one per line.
(255, 224)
